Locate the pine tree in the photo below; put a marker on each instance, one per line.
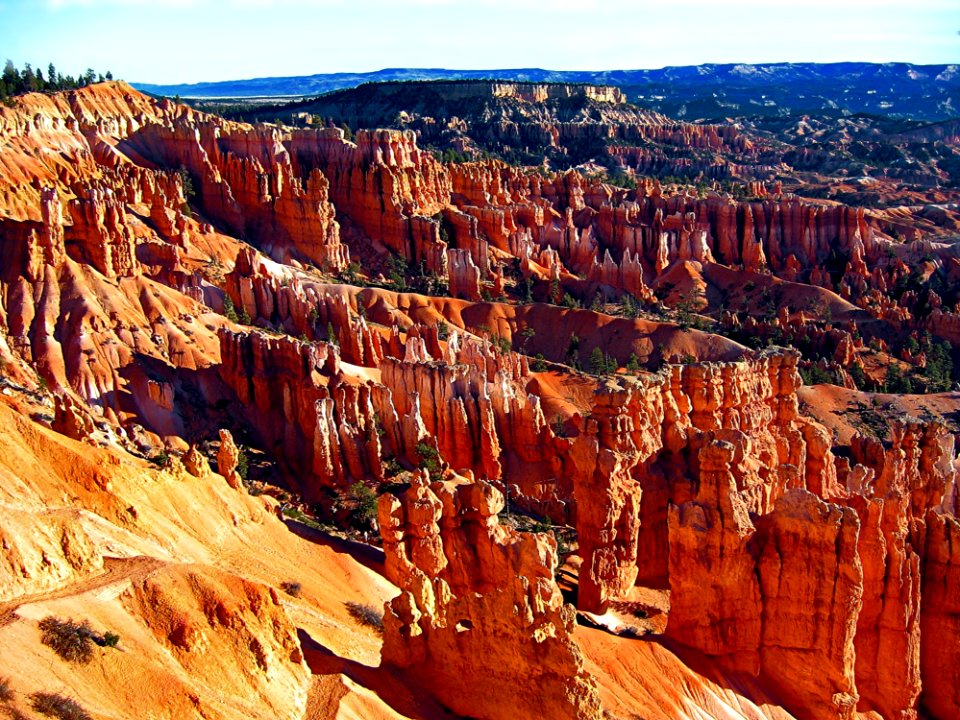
(29, 79)
(598, 363)
(11, 77)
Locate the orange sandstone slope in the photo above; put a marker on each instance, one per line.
(168, 275)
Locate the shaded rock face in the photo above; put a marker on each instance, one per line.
(767, 591)
(939, 612)
(770, 597)
(888, 629)
(480, 621)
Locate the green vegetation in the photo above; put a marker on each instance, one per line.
(229, 311)
(896, 382)
(570, 301)
(161, 459)
(816, 375)
(573, 351)
(397, 272)
(558, 427)
(526, 291)
(451, 155)
(601, 363)
(429, 460)
(363, 506)
(501, 344)
(15, 82)
(629, 307)
(186, 183)
(243, 463)
(351, 274)
(938, 374)
(858, 376)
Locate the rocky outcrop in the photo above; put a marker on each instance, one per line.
(939, 613)
(810, 580)
(622, 432)
(226, 631)
(480, 621)
(102, 233)
(715, 598)
(71, 418)
(386, 185)
(753, 406)
(325, 429)
(888, 629)
(228, 459)
(769, 598)
(830, 579)
(919, 464)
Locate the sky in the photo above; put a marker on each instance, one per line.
(177, 41)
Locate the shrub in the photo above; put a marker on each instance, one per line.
(58, 706)
(109, 639)
(229, 311)
(243, 463)
(816, 375)
(430, 460)
(6, 692)
(291, 588)
(70, 640)
(558, 427)
(161, 459)
(365, 615)
(364, 501)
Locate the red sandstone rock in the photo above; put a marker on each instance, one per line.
(939, 612)
(227, 459)
(811, 582)
(71, 418)
(480, 622)
(888, 628)
(716, 605)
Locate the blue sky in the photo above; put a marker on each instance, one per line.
(168, 41)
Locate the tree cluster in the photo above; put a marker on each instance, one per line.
(14, 81)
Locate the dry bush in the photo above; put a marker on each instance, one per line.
(70, 640)
(366, 615)
(291, 588)
(6, 692)
(58, 706)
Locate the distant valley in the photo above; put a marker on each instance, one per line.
(710, 91)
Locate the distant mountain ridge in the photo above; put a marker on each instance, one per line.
(926, 92)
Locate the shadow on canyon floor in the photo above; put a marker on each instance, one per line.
(389, 685)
